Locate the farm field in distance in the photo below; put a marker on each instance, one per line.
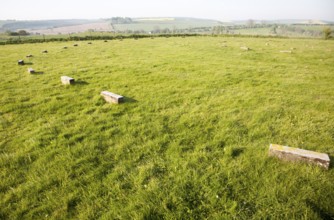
(190, 141)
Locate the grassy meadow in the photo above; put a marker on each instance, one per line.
(190, 141)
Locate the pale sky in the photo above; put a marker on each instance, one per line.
(223, 10)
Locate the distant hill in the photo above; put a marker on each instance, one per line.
(14, 25)
(165, 24)
(112, 24)
(285, 21)
(137, 25)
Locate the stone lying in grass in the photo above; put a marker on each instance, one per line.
(67, 80)
(112, 97)
(20, 62)
(31, 70)
(296, 154)
(244, 48)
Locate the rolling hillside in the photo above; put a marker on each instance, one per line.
(64, 26)
(170, 25)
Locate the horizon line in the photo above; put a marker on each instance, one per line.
(220, 20)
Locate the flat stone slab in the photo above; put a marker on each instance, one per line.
(286, 51)
(112, 97)
(20, 62)
(31, 70)
(296, 154)
(244, 48)
(67, 80)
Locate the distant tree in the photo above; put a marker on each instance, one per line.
(22, 33)
(274, 29)
(227, 30)
(217, 30)
(250, 23)
(174, 29)
(327, 31)
(121, 20)
(165, 31)
(12, 33)
(156, 30)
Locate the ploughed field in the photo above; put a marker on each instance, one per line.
(190, 140)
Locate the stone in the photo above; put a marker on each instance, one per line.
(75, 45)
(111, 97)
(44, 51)
(64, 47)
(286, 51)
(20, 62)
(31, 70)
(67, 80)
(296, 154)
(29, 56)
(89, 42)
(244, 48)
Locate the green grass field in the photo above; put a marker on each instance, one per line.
(190, 142)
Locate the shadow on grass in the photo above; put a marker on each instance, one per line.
(237, 151)
(323, 214)
(37, 73)
(233, 152)
(26, 63)
(129, 100)
(80, 82)
(331, 163)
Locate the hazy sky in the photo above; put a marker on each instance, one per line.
(216, 9)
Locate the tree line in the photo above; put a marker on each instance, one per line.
(17, 33)
(87, 38)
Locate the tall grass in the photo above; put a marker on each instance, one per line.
(190, 142)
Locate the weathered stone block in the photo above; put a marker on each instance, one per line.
(44, 51)
(244, 48)
(111, 97)
(29, 56)
(286, 51)
(31, 70)
(296, 154)
(67, 80)
(20, 62)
